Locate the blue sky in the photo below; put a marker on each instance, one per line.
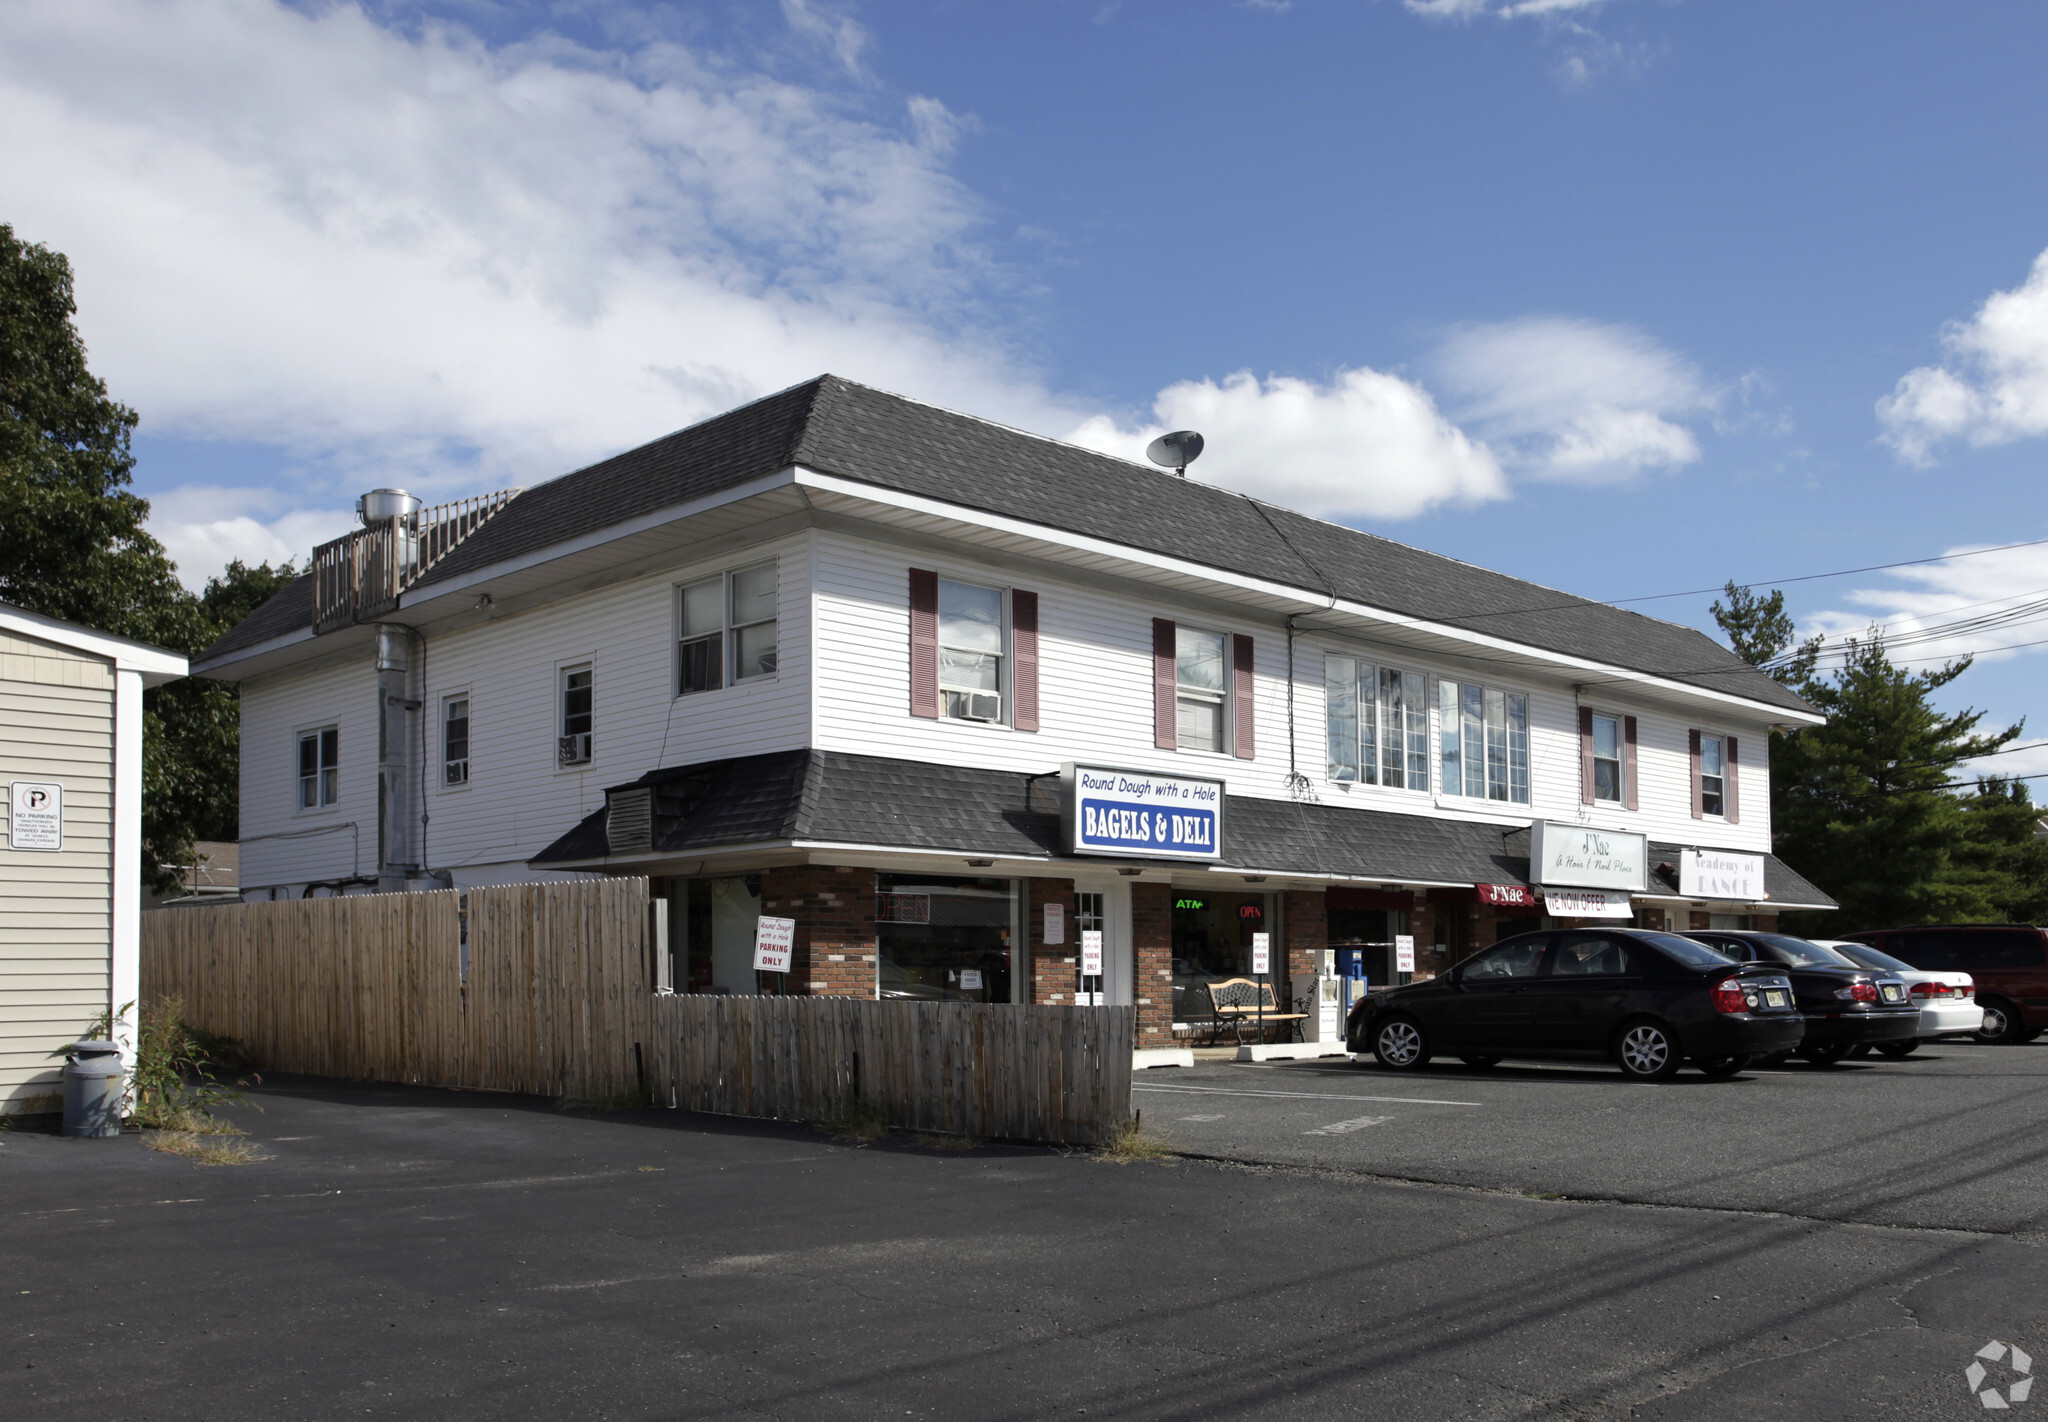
(1623, 297)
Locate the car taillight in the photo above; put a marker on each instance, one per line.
(1930, 989)
(1968, 989)
(1729, 997)
(1858, 992)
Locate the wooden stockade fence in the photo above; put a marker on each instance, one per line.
(557, 999)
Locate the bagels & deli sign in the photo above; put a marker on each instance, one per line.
(1132, 812)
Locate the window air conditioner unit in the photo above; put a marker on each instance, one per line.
(573, 750)
(982, 706)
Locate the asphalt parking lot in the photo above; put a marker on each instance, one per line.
(1948, 1137)
(418, 1253)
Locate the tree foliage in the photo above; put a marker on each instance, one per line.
(1867, 806)
(73, 545)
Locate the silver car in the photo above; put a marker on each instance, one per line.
(1948, 1001)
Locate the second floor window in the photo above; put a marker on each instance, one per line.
(728, 629)
(319, 768)
(1378, 723)
(970, 651)
(1607, 758)
(1485, 738)
(573, 745)
(1199, 689)
(1713, 776)
(455, 741)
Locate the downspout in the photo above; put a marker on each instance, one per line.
(395, 858)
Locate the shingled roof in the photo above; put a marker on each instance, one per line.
(834, 426)
(838, 797)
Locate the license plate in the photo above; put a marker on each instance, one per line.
(1773, 998)
(1893, 994)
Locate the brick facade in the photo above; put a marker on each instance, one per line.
(1152, 962)
(834, 909)
(1054, 966)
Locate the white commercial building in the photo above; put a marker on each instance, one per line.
(853, 659)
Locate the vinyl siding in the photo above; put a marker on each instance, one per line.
(1095, 704)
(56, 911)
(518, 799)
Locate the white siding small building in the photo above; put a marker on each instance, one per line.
(71, 854)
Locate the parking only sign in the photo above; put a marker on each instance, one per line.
(1262, 952)
(35, 815)
(1404, 952)
(773, 941)
(1091, 952)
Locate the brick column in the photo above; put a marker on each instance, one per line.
(834, 909)
(1053, 965)
(1152, 962)
(1305, 921)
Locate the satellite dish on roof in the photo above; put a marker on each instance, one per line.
(1176, 451)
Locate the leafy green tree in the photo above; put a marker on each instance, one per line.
(73, 545)
(192, 733)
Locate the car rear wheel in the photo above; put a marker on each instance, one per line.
(1647, 1051)
(1900, 1049)
(1824, 1056)
(1721, 1066)
(1400, 1045)
(1482, 1060)
(2002, 1026)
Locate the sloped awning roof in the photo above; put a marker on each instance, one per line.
(821, 799)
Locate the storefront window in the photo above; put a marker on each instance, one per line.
(944, 939)
(1212, 940)
(711, 936)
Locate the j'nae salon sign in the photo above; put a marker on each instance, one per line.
(1576, 857)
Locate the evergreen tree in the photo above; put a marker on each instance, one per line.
(1862, 805)
(73, 545)
(1761, 632)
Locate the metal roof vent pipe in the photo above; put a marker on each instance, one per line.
(382, 505)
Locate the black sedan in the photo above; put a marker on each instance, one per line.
(1645, 1001)
(1846, 1005)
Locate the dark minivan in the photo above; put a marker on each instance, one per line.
(1645, 1001)
(2009, 962)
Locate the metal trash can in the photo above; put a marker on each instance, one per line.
(94, 1084)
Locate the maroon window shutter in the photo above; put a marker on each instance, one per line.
(1628, 762)
(1241, 742)
(1024, 659)
(924, 643)
(1165, 723)
(1585, 755)
(1698, 811)
(1731, 787)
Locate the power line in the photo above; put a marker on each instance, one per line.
(1843, 573)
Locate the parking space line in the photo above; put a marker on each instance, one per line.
(1339, 1128)
(1310, 1095)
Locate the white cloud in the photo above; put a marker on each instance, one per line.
(1367, 444)
(1503, 9)
(1573, 400)
(1992, 388)
(1991, 605)
(205, 528)
(414, 259)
